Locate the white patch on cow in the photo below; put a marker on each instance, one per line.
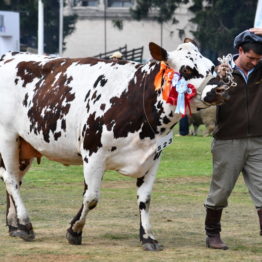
(58, 76)
(207, 89)
(146, 225)
(2, 170)
(122, 161)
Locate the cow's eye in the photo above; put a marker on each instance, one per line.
(186, 71)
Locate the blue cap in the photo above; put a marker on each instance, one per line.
(247, 37)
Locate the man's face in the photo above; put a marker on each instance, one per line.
(248, 60)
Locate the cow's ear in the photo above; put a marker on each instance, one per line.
(189, 40)
(157, 52)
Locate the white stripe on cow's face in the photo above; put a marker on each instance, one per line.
(207, 89)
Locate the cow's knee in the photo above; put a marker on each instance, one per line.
(74, 233)
(91, 199)
(92, 204)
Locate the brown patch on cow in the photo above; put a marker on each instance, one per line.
(27, 152)
(102, 107)
(28, 71)
(113, 148)
(25, 100)
(188, 73)
(135, 109)
(51, 101)
(52, 95)
(93, 61)
(2, 57)
(92, 134)
(101, 79)
(8, 61)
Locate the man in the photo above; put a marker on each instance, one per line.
(237, 145)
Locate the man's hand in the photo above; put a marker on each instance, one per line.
(257, 31)
(223, 70)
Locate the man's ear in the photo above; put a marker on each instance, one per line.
(241, 50)
(157, 52)
(189, 40)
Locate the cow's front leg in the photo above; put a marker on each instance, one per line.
(144, 190)
(93, 173)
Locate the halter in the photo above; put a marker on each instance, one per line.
(229, 77)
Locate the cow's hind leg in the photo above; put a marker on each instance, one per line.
(16, 217)
(144, 190)
(93, 175)
(11, 215)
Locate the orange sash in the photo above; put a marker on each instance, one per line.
(166, 73)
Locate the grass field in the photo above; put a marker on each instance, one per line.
(53, 195)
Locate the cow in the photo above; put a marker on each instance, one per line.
(104, 114)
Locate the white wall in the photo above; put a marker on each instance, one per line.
(88, 38)
(9, 32)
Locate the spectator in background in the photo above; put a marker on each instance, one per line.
(184, 126)
(116, 56)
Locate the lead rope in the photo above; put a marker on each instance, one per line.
(229, 77)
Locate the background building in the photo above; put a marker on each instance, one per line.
(96, 30)
(9, 32)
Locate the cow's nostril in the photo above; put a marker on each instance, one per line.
(220, 90)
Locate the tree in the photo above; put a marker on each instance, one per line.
(28, 10)
(165, 10)
(218, 21)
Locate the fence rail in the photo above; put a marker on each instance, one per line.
(135, 54)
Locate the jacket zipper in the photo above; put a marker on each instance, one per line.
(247, 107)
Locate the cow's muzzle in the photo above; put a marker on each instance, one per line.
(223, 92)
(217, 95)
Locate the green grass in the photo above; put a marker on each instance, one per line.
(53, 195)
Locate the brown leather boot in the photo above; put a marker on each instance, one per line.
(215, 242)
(259, 212)
(213, 229)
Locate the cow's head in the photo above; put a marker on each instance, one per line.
(196, 70)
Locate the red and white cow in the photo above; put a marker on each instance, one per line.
(103, 114)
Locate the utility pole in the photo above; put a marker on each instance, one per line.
(40, 27)
(61, 27)
(105, 33)
(258, 17)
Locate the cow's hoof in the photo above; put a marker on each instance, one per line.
(24, 232)
(26, 236)
(152, 247)
(73, 237)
